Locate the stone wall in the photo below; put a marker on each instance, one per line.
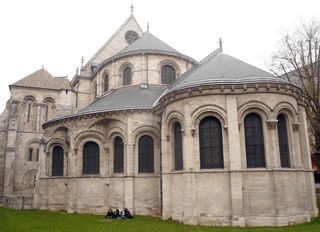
(236, 195)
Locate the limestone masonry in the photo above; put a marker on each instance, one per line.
(142, 126)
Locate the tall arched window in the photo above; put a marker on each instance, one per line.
(49, 106)
(178, 152)
(283, 141)
(126, 76)
(57, 161)
(118, 155)
(91, 164)
(168, 74)
(211, 147)
(254, 141)
(146, 154)
(106, 83)
(30, 100)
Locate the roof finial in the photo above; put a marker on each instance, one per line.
(220, 44)
(131, 9)
(82, 59)
(42, 67)
(147, 27)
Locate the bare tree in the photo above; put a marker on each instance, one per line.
(298, 60)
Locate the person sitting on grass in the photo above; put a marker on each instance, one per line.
(126, 214)
(109, 214)
(117, 214)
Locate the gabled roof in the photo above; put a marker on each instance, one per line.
(220, 68)
(151, 44)
(44, 80)
(131, 17)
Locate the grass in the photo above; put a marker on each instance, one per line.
(34, 220)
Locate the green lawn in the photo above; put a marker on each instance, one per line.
(35, 220)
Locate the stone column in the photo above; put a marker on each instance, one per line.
(306, 162)
(274, 153)
(166, 170)
(189, 133)
(143, 70)
(128, 185)
(296, 154)
(113, 76)
(190, 167)
(235, 162)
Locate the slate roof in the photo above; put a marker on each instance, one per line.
(221, 68)
(151, 44)
(44, 80)
(126, 98)
(129, 97)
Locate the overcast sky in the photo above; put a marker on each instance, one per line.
(57, 33)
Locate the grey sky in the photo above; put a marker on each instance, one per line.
(58, 33)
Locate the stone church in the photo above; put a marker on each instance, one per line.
(142, 126)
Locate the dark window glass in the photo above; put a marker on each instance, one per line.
(211, 149)
(106, 83)
(146, 154)
(29, 112)
(30, 154)
(118, 155)
(168, 74)
(178, 153)
(283, 141)
(47, 110)
(127, 76)
(57, 161)
(91, 158)
(254, 141)
(37, 155)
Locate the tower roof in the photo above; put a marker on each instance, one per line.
(44, 80)
(151, 44)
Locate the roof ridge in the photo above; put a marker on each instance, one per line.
(111, 38)
(205, 60)
(211, 56)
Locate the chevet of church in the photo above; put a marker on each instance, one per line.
(213, 142)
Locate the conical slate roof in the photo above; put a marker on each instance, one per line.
(44, 80)
(151, 44)
(223, 69)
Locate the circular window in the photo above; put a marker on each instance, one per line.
(131, 36)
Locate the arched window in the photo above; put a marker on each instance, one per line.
(168, 74)
(49, 105)
(30, 154)
(91, 158)
(178, 153)
(57, 161)
(146, 154)
(283, 141)
(29, 105)
(118, 155)
(106, 83)
(126, 76)
(211, 147)
(254, 141)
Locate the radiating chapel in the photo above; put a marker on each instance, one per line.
(143, 126)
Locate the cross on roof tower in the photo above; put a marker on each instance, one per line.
(132, 8)
(220, 44)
